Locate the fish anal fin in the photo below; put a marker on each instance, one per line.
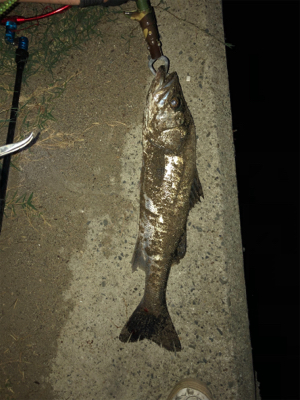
(139, 258)
(196, 190)
(158, 328)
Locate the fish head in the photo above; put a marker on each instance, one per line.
(167, 117)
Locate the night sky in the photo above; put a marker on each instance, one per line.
(263, 72)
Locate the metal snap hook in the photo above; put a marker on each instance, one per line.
(163, 59)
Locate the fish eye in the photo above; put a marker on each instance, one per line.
(175, 102)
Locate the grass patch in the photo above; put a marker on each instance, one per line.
(24, 201)
(50, 41)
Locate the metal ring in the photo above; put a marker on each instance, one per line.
(164, 59)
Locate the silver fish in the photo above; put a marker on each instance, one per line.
(170, 187)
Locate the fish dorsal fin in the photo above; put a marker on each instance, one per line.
(196, 190)
(180, 250)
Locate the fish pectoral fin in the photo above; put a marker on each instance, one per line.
(140, 258)
(145, 325)
(196, 190)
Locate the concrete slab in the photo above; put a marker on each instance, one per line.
(206, 292)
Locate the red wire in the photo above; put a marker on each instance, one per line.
(21, 20)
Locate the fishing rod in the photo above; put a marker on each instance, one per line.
(21, 59)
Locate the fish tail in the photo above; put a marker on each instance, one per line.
(158, 328)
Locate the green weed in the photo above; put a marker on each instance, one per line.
(50, 41)
(24, 202)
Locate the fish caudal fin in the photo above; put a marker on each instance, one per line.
(145, 325)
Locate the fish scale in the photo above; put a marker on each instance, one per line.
(170, 187)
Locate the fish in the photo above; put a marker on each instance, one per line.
(169, 188)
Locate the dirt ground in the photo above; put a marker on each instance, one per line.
(84, 175)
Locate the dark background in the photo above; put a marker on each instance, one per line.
(263, 72)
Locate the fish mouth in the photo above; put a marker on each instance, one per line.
(163, 84)
(163, 79)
